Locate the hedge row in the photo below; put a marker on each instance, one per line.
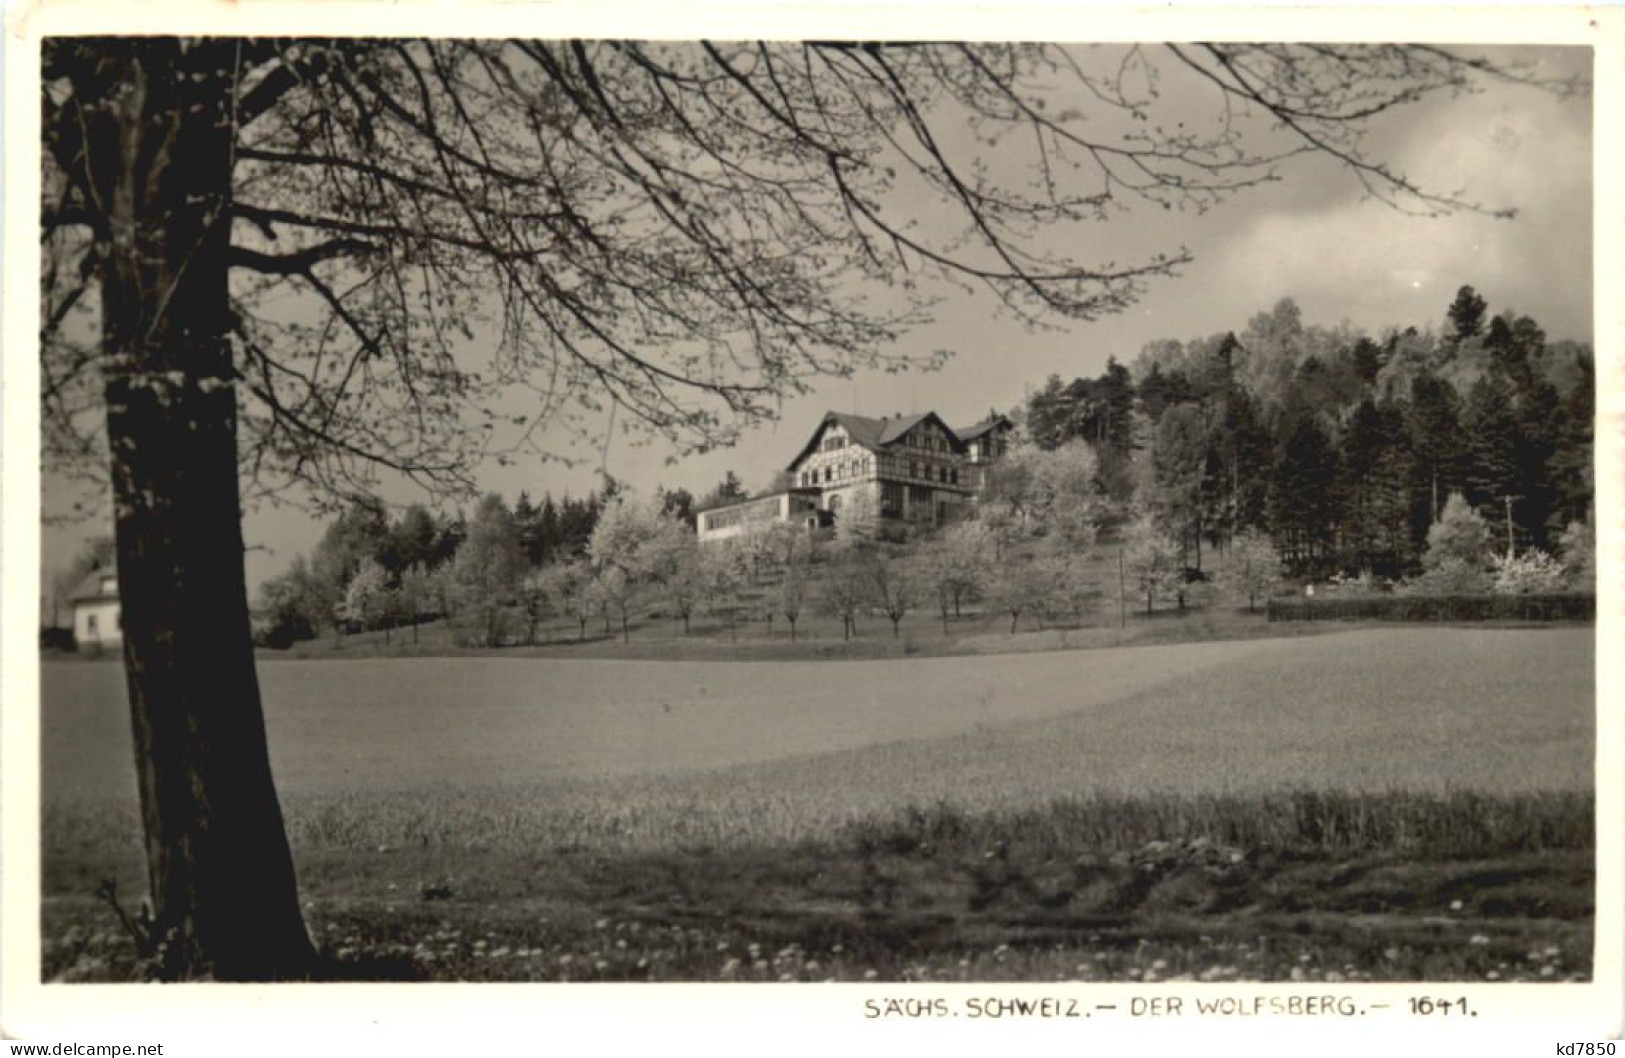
(1566, 607)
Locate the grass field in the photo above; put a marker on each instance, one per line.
(1385, 804)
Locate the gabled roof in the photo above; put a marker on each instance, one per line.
(90, 589)
(971, 433)
(873, 434)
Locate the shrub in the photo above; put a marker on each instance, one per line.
(1416, 607)
(1531, 573)
(1448, 576)
(1459, 536)
(1579, 548)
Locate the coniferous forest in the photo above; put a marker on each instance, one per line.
(1343, 447)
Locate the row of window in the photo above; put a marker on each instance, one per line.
(944, 475)
(920, 500)
(843, 471)
(931, 442)
(766, 510)
(858, 468)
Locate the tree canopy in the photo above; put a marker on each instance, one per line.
(674, 229)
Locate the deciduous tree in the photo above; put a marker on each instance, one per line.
(1150, 560)
(366, 597)
(1252, 567)
(792, 591)
(486, 573)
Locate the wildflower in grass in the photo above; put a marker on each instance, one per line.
(1456, 905)
(870, 975)
(1478, 938)
(1492, 976)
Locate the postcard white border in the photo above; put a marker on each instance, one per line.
(421, 1019)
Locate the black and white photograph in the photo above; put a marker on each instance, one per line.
(979, 520)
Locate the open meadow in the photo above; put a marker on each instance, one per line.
(1378, 804)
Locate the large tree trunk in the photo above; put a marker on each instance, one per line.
(224, 899)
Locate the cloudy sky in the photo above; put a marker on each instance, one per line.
(1314, 238)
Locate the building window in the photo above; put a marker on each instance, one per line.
(954, 474)
(834, 503)
(90, 624)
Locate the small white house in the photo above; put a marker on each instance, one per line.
(96, 611)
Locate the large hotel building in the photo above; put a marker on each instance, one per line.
(915, 469)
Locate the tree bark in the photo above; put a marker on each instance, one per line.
(224, 897)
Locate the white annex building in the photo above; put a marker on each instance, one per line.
(96, 620)
(914, 469)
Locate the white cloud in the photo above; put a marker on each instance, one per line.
(1366, 262)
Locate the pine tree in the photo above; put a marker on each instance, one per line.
(1466, 314)
(1490, 427)
(1302, 501)
(1434, 425)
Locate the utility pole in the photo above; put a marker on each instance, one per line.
(1122, 587)
(1508, 500)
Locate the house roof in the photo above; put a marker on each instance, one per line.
(873, 434)
(971, 433)
(770, 495)
(90, 588)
